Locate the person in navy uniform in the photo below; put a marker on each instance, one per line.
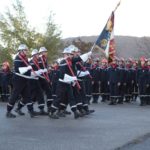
(113, 81)
(87, 80)
(95, 81)
(148, 83)
(134, 82)
(103, 75)
(142, 80)
(21, 77)
(44, 79)
(54, 76)
(122, 87)
(129, 80)
(82, 74)
(35, 86)
(67, 80)
(6, 79)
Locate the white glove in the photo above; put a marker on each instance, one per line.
(33, 74)
(29, 68)
(44, 70)
(85, 56)
(40, 71)
(89, 54)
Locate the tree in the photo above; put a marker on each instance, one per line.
(15, 29)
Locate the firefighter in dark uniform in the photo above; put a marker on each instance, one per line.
(21, 77)
(95, 82)
(6, 79)
(35, 87)
(128, 80)
(54, 76)
(148, 83)
(103, 75)
(45, 83)
(113, 81)
(67, 80)
(122, 87)
(64, 87)
(135, 87)
(142, 76)
(88, 81)
(82, 74)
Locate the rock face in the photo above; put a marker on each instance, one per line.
(126, 46)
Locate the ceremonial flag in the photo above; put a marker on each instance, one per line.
(105, 35)
(106, 39)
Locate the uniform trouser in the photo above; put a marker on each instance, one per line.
(104, 90)
(95, 91)
(121, 92)
(5, 92)
(20, 87)
(47, 89)
(64, 90)
(135, 91)
(114, 89)
(54, 87)
(77, 96)
(142, 92)
(84, 99)
(148, 95)
(88, 88)
(37, 93)
(128, 91)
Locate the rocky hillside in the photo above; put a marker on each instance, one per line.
(126, 46)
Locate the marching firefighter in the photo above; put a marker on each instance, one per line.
(67, 80)
(35, 87)
(54, 76)
(21, 77)
(44, 79)
(82, 74)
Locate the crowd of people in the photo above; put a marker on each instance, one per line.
(73, 80)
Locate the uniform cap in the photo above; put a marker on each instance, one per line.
(22, 47)
(42, 49)
(67, 50)
(34, 52)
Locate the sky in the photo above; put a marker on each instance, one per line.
(88, 17)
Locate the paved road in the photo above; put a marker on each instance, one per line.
(109, 128)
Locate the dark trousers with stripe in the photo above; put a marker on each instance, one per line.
(21, 87)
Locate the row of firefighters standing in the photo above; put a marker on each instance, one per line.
(72, 80)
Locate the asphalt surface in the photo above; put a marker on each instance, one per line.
(109, 128)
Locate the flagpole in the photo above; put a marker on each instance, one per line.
(117, 6)
(92, 47)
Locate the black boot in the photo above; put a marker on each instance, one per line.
(43, 112)
(53, 115)
(112, 101)
(61, 113)
(76, 115)
(33, 114)
(67, 112)
(19, 112)
(10, 115)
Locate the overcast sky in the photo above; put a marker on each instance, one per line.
(88, 17)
